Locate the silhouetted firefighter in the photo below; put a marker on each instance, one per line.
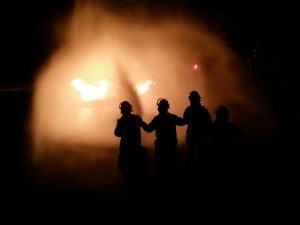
(133, 157)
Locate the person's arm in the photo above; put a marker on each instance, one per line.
(186, 116)
(180, 121)
(208, 116)
(148, 127)
(120, 128)
(209, 121)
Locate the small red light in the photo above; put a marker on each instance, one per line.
(196, 67)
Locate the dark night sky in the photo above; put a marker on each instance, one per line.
(27, 38)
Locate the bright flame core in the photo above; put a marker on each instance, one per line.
(144, 87)
(89, 91)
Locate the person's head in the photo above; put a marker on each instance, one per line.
(125, 107)
(162, 105)
(222, 113)
(194, 97)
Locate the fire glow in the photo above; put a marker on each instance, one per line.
(130, 59)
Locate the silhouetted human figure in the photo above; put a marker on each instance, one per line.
(164, 124)
(133, 157)
(199, 123)
(227, 141)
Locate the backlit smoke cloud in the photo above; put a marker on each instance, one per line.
(121, 52)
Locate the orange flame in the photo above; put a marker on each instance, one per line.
(144, 87)
(90, 92)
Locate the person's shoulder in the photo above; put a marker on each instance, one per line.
(234, 125)
(203, 107)
(188, 108)
(173, 115)
(136, 116)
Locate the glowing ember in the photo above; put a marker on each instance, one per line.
(144, 87)
(90, 92)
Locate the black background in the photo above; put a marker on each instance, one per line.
(27, 42)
